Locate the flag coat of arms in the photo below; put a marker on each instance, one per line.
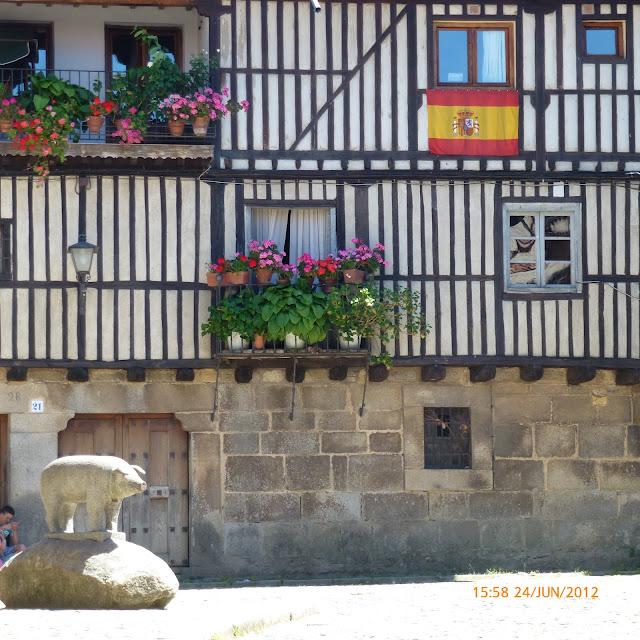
(473, 122)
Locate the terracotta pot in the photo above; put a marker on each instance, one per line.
(200, 125)
(354, 276)
(284, 281)
(176, 127)
(212, 278)
(231, 278)
(328, 283)
(259, 342)
(94, 124)
(5, 126)
(263, 276)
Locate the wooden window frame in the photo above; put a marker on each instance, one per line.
(5, 239)
(111, 29)
(621, 40)
(46, 26)
(541, 209)
(472, 27)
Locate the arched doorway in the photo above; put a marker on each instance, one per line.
(158, 519)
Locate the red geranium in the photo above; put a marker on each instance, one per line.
(99, 108)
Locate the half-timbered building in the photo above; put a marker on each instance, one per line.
(514, 215)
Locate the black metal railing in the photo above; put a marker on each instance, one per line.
(17, 81)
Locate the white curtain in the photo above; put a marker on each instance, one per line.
(269, 224)
(311, 232)
(493, 66)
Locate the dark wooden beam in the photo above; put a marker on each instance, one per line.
(482, 373)
(627, 377)
(531, 373)
(136, 374)
(578, 375)
(300, 373)
(378, 373)
(243, 375)
(433, 373)
(78, 374)
(17, 374)
(185, 375)
(338, 373)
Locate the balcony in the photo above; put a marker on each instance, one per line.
(104, 142)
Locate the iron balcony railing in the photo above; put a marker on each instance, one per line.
(17, 82)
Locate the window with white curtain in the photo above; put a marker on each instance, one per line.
(296, 230)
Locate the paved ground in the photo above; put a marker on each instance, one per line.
(526, 607)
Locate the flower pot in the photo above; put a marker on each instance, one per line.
(347, 344)
(263, 276)
(353, 276)
(235, 342)
(292, 342)
(284, 281)
(5, 126)
(259, 342)
(212, 278)
(176, 127)
(231, 278)
(94, 124)
(200, 125)
(328, 283)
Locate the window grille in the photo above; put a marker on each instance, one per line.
(447, 438)
(5, 249)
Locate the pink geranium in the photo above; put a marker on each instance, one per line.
(266, 254)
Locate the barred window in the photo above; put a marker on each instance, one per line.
(447, 438)
(5, 249)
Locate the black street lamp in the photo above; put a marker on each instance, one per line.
(82, 253)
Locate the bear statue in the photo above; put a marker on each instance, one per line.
(101, 482)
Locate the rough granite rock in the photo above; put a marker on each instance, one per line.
(85, 574)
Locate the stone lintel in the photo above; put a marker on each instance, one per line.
(39, 422)
(195, 420)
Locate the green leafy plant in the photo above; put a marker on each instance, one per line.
(286, 309)
(354, 311)
(69, 100)
(384, 359)
(232, 315)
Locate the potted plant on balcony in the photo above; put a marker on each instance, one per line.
(355, 313)
(267, 258)
(231, 321)
(98, 109)
(178, 111)
(306, 271)
(10, 110)
(234, 272)
(327, 272)
(286, 273)
(295, 316)
(359, 260)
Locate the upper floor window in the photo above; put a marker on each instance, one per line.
(474, 54)
(542, 248)
(5, 249)
(125, 52)
(604, 38)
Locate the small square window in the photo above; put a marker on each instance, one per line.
(5, 249)
(447, 438)
(604, 39)
(474, 54)
(541, 247)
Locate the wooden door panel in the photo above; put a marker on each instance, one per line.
(178, 497)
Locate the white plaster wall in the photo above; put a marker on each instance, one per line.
(78, 32)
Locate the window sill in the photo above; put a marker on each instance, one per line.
(542, 294)
(447, 479)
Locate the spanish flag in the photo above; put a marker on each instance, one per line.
(473, 122)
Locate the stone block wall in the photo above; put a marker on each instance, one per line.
(554, 483)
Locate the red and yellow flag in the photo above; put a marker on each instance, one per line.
(473, 122)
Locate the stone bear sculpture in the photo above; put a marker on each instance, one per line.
(101, 482)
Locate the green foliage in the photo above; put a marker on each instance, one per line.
(286, 309)
(69, 100)
(382, 358)
(232, 315)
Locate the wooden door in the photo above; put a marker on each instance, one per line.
(4, 454)
(157, 519)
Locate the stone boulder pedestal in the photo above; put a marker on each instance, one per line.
(73, 571)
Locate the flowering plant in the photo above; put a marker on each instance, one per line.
(220, 105)
(307, 266)
(177, 107)
(327, 268)
(239, 263)
(266, 254)
(287, 271)
(361, 256)
(131, 128)
(100, 108)
(10, 109)
(44, 136)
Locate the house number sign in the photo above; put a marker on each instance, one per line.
(37, 406)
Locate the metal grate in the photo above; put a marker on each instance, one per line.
(447, 438)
